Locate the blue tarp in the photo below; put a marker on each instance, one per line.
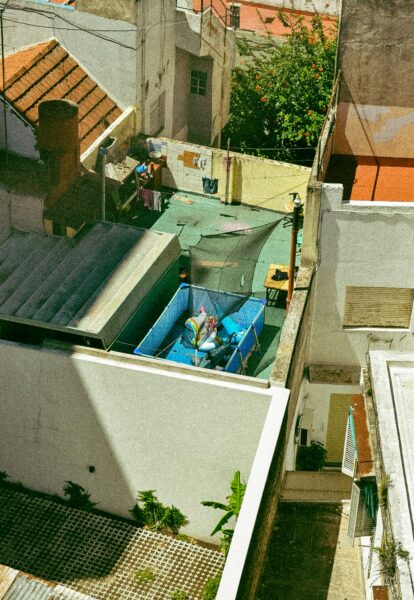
(164, 339)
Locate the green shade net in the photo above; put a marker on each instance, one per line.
(226, 262)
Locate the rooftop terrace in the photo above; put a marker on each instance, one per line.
(190, 216)
(372, 179)
(98, 555)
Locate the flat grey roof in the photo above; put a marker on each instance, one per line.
(89, 285)
(393, 383)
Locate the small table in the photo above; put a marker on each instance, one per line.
(274, 286)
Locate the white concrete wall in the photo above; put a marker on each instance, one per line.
(370, 244)
(371, 566)
(235, 562)
(179, 176)
(315, 397)
(20, 136)
(183, 434)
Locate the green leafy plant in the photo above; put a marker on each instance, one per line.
(179, 595)
(3, 477)
(149, 512)
(383, 486)
(77, 496)
(145, 575)
(388, 553)
(281, 91)
(231, 510)
(210, 589)
(311, 458)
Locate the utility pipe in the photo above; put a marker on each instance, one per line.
(103, 153)
(297, 207)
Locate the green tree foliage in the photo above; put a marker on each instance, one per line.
(77, 496)
(231, 509)
(281, 92)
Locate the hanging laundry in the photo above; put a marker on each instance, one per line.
(210, 186)
(148, 196)
(157, 201)
(140, 198)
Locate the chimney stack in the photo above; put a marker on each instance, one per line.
(59, 145)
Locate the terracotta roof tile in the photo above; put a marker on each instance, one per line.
(47, 71)
(261, 18)
(19, 61)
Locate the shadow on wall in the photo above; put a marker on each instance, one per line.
(52, 430)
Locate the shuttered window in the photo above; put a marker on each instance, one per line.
(378, 307)
(349, 458)
(360, 522)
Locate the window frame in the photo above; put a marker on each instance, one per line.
(198, 82)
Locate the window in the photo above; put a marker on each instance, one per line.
(235, 15)
(378, 307)
(362, 513)
(198, 82)
(349, 458)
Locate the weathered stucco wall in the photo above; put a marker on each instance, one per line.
(20, 136)
(156, 65)
(331, 7)
(259, 181)
(142, 426)
(123, 129)
(358, 246)
(122, 10)
(211, 48)
(105, 48)
(256, 181)
(376, 57)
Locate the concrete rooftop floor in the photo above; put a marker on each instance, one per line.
(103, 557)
(192, 215)
(309, 556)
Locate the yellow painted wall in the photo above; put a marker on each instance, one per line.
(258, 181)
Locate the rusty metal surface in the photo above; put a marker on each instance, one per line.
(365, 453)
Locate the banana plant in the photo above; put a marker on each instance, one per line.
(231, 509)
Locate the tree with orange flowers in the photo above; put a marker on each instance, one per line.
(281, 91)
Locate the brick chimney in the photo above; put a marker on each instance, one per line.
(59, 145)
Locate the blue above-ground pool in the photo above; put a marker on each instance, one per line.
(164, 339)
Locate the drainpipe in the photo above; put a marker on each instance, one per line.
(297, 207)
(228, 167)
(103, 154)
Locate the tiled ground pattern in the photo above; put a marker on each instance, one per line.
(97, 555)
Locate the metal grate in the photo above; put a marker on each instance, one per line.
(97, 555)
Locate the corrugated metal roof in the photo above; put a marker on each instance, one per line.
(26, 587)
(45, 71)
(82, 285)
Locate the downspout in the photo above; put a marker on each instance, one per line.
(103, 152)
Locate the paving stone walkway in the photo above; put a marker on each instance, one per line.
(309, 557)
(102, 557)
